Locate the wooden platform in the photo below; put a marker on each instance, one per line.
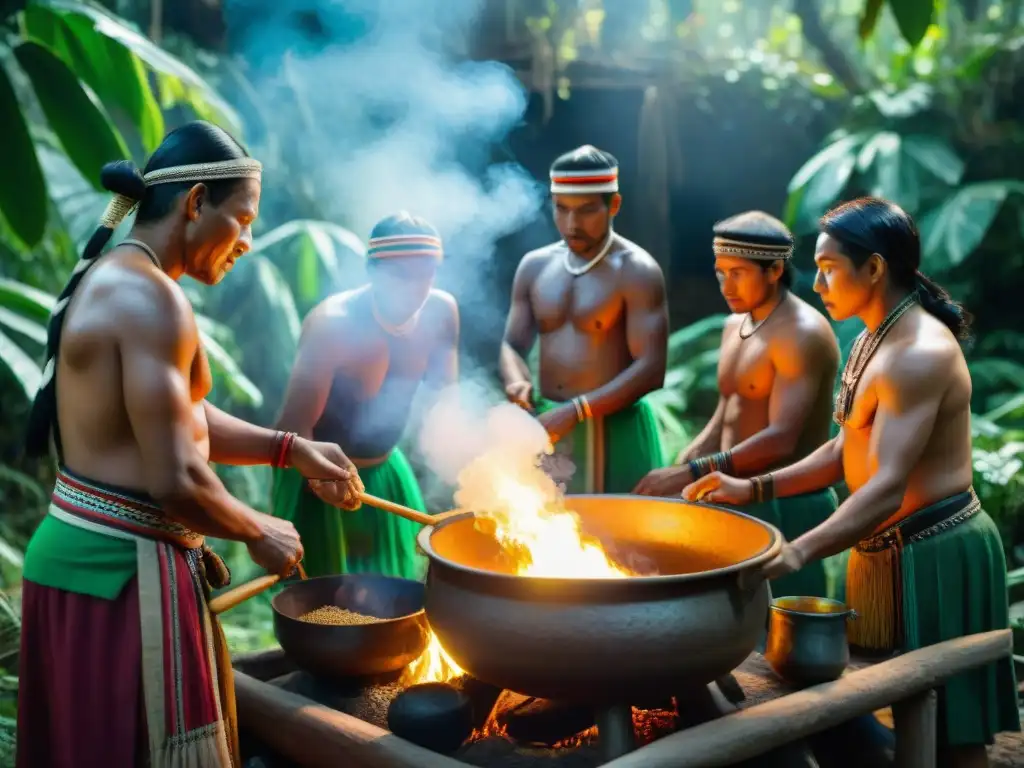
(313, 734)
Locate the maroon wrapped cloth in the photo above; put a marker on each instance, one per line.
(80, 690)
(125, 682)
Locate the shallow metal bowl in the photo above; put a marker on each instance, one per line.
(339, 652)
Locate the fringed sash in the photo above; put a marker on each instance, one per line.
(172, 562)
(880, 568)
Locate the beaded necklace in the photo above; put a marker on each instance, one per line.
(863, 350)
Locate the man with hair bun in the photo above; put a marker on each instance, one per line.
(597, 303)
(776, 371)
(121, 661)
(363, 356)
(927, 563)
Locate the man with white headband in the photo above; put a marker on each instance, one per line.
(597, 303)
(777, 365)
(363, 356)
(121, 661)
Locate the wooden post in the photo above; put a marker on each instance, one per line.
(916, 724)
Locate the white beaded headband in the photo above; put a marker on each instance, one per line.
(723, 246)
(242, 168)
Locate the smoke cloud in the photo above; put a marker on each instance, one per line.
(381, 112)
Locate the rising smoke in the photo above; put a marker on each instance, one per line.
(382, 113)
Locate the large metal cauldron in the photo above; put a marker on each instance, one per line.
(606, 641)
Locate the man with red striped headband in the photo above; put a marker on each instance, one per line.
(597, 303)
(363, 356)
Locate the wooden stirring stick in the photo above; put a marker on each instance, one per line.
(241, 593)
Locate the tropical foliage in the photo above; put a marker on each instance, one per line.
(920, 101)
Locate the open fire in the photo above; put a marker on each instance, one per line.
(523, 508)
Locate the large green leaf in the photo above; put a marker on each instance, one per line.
(176, 79)
(903, 168)
(114, 73)
(23, 367)
(30, 329)
(23, 191)
(73, 112)
(952, 232)
(221, 362)
(26, 300)
(820, 182)
(936, 156)
(913, 17)
(321, 257)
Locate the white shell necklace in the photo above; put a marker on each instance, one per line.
(577, 271)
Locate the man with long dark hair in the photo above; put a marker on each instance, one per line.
(777, 365)
(121, 661)
(927, 563)
(597, 303)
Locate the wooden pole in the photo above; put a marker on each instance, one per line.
(315, 736)
(916, 721)
(753, 732)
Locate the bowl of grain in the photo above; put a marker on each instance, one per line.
(353, 625)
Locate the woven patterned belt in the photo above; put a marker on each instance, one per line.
(926, 523)
(115, 508)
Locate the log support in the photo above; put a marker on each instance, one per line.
(314, 735)
(916, 724)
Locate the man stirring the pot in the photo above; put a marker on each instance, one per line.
(776, 370)
(597, 302)
(117, 576)
(362, 358)
(928, 562)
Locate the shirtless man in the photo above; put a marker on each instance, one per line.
(362, 358)
(928, 563)
(775, 376)
(597, 301)
(124, 398)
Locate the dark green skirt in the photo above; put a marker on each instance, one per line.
(631, 447)
(950, 584)
(794, 516)
(365, 541)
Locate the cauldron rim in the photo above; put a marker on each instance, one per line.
(770, 551)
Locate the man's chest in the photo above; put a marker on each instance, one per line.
(861, 392)
(590, 302)
(372, 368)
(745, 367)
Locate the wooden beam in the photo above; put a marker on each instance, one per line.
(916, 721)
(753, 732)
(315, 736)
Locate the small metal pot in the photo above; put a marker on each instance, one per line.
(807, 641)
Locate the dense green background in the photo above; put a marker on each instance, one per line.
(921, 100)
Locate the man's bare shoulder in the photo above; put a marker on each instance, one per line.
(641, 270)
(809, 330)
(442, 305)
(924, 361)
(137, 299)
(534, 261)
(334, 312)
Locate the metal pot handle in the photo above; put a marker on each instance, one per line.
(853, 615)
